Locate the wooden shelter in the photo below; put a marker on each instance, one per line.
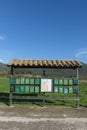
(45, 63)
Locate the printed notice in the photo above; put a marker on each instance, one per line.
(46, 85)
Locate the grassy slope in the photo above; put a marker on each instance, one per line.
(4, 87)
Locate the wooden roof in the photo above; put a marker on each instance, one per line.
(44, 63)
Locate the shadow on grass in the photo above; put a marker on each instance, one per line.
(4, 98)
(83, 105)
(61, 103)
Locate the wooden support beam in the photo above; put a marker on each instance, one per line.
(11, 70)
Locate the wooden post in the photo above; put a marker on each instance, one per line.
(11, 70)
(77, 73)
(44, 73)
(78, 101)
(10, 98)
(43, 98)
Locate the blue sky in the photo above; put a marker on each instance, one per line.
(43, 29)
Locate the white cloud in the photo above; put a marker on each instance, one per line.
(1, 60)
(2, 37)
(81, 53)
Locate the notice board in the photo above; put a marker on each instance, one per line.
(46, 85)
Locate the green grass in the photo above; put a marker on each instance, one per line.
(83, 93)
(4, 88)
(4, 84)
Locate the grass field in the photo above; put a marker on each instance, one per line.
(4, 84)
(4, 88)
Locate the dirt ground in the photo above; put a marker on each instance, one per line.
(83, 81)
(42, 118)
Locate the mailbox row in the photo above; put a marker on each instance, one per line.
(37, 81)
(37, 89)
(66, 89)
(25, 80)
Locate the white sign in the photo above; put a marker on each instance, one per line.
(46, 85)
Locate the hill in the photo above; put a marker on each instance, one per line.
(3, 66)
(5, 71)
(83, 72)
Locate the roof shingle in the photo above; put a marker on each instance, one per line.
(44, 63)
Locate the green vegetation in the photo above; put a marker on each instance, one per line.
(4, 88)
(4, 84)
(83, 93)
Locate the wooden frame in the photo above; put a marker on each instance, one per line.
(43, 97)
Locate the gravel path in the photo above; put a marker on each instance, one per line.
(27, 120)
(19, 123)
(37, 118)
